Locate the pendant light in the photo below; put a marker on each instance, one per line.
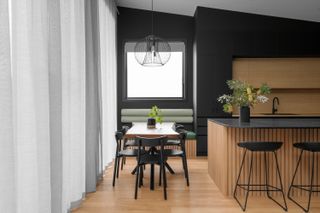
(152, 50)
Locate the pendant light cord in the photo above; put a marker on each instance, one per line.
(152, 17)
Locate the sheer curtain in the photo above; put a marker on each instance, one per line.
(45, 95)
(7, 153)
(42, 105)
(108, 77)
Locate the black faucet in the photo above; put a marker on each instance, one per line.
(275, 109)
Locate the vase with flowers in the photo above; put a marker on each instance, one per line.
(243, 96)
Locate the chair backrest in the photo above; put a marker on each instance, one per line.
(158, 141)
(118, 135)
(178, 127)
(124, 129)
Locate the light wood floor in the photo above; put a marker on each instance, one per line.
(201, 197)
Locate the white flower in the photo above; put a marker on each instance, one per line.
(262, 98)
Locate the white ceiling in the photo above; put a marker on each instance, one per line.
(296, 9)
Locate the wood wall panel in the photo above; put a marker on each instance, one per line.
(224, 156)
(302, 73)
(295, 81)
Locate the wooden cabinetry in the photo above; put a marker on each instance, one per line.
(279, 73)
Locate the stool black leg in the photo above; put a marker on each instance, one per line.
(300, 186)
(239, 175)
(281, 186)
(311, 183)
(266, 173)
(294, 176)
(241, 166)
(248, 185)
(249, 180)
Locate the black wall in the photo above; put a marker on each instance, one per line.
(223, 35)
(134, 25)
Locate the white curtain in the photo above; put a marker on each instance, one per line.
(7, 153)
(42, 105)
(43, 101)
(30, 105)
(108, 76)
(73, 100)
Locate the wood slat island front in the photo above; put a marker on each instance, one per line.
(224, 156)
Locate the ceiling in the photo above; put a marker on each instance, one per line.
(296, 9)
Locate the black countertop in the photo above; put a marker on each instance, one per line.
(269, 122)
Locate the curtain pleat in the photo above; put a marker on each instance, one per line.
(108, 77)
(7, 153)
(93, 170)
(31, 105)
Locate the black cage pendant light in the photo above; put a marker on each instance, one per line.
(152, 50)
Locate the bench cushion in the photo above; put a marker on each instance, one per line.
(191, 135)
(169, 115)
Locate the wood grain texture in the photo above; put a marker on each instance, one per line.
(295, 81)
(302, 73)
(224, 156)
(202, 196)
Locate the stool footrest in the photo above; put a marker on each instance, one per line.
(303, 187)
(245, 187)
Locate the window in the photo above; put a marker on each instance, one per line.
(164, 82)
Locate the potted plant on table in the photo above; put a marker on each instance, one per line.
(155, 116)
(243, 96)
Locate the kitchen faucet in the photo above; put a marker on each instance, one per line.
(274, 108)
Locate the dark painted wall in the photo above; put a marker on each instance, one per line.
(134, 25)
(222, 35)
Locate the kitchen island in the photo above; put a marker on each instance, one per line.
(224, 156)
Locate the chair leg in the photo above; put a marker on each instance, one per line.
(281, 186)
(137, 182)
(141, 177)
(169, 168)
(185, 167)
(118, 167)
(164, 181)
(122, 162)
(114, 170)
(160, 175)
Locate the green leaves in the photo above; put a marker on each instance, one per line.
(155, 113)
(243, 94)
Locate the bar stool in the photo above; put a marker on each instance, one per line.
(313, 147)
(264, 147)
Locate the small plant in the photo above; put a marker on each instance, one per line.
(155, 113)
(243, 95)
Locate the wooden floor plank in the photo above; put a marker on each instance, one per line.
(202, 195)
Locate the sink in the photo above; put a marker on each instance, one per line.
(279, 113)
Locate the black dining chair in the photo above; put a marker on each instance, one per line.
(153, 157)
(122, 153)
(177, 128)
(127, 144)
(180, 153)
